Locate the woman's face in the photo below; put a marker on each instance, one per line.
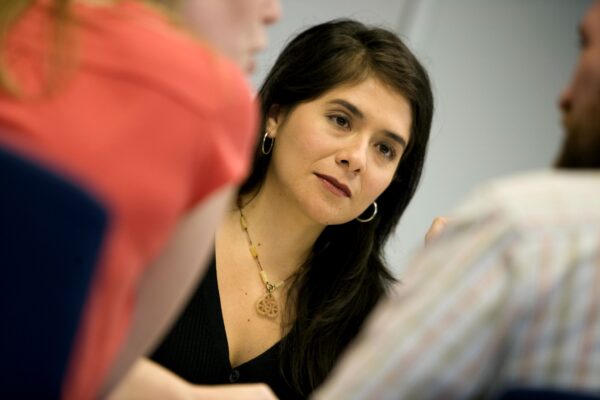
(333, 156)
(238, 28)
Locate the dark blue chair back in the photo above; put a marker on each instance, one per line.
(50, 236)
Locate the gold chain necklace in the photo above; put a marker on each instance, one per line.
(267, 305)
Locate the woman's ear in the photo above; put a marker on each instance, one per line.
(275, 117)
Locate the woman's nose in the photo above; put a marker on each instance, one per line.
(353, 155)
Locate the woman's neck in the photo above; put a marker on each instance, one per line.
(283, 236)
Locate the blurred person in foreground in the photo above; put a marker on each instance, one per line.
(133, 102)
(506, 301)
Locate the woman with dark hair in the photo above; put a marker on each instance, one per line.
(346, 112)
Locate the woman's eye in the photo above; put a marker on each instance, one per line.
(340, 120)
(386, 151)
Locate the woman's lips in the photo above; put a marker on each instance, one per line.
(334, 185)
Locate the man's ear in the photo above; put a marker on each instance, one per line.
(275, 118)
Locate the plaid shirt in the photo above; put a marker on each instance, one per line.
(508, 296)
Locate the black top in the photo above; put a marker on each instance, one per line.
(196, 348)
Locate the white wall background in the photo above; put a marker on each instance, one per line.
(497, 67)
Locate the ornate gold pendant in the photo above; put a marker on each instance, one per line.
(267, 306)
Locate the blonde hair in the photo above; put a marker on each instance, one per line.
(12, 10)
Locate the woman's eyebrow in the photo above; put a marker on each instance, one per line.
(359, 114)
(395, 137)
(351, 107)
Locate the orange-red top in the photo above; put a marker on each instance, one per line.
(148, 120)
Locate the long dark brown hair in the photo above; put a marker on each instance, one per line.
(345, 275)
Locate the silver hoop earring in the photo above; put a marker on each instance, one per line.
(263, 145)
(359, 219)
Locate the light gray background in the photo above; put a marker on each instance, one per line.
(497, 68)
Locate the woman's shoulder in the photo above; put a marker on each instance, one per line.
(138, 41)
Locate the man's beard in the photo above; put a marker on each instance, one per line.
(581, 146)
